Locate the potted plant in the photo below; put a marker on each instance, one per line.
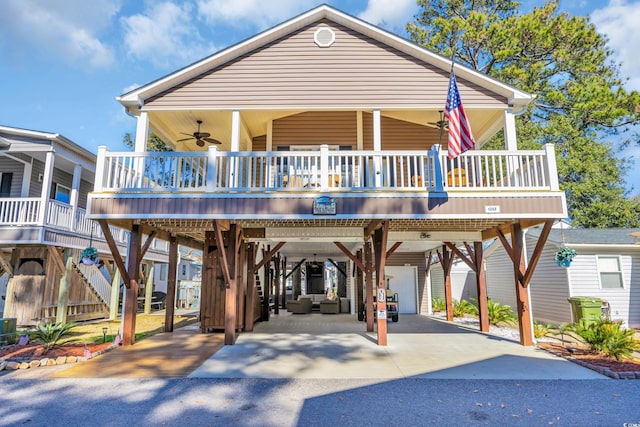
(89, 256)
(564, 256)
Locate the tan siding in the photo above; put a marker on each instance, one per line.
(293, 72)
(315, 128)
(259, 143)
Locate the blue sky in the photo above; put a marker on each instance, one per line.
(63, 62)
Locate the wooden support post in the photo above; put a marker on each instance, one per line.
(172, 273)
(252, 291)
(368, 279)
(65, 286)
(266, 286)
(131, 299)
(446, 260)
(148, 288)
(115, 295)
(481, 286)
(284, 283)
(359, 285)
(229, 264)
(276, 292)
(380, 249)
(522, 296)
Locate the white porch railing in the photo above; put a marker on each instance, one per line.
(19, 210)
(326, 170)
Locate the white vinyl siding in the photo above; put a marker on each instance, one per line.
(585, 281)
(8, 165)
(500, 279)
(549, 287)
(463, 282)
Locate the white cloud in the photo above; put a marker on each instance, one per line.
(392, 15)
(68, 29)
(619, 22)
(166, 34)
(251, 13)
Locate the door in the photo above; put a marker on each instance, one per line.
(403, 281)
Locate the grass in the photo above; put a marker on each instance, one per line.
(146, 326)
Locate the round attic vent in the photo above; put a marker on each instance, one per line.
(324, 37)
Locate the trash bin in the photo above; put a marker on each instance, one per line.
(7, 330)
(588, 308)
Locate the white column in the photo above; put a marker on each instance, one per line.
(270, 135)
(26, 179)
(359, 131)
(377, 147)
(510, 140)
(235, 146)
(75, 190)
(142, 132)
(511, 144)
(427, 283)
(47, 179)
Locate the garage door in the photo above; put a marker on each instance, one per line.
(403, 281)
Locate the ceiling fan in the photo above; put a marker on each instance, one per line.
(440, 124)
(200, 137)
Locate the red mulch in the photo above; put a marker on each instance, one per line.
(36, 351)
(583, 354)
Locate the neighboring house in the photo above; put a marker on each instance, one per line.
(319, 136)
(44, 182)
(607, 267)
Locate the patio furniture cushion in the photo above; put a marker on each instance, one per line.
(330, 306)
(300, 306)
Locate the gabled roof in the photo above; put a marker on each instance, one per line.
(135, 98)
(14, 140)
(593, 236)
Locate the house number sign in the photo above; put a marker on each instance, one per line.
(324, 206)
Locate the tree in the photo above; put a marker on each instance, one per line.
(154, 143)
(581, 106)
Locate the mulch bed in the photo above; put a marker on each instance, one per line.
(584, 354)
(36, 351)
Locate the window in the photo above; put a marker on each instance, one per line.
(610, 272)
(63, 194)
(5, 184)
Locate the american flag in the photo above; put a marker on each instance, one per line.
(87, 353)
(117, 340)
(460, 137)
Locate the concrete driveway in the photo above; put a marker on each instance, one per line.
(317, 346)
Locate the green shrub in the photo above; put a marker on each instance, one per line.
(438, 304)
(460, 308)
(497, 312)
(49, 334)
(540, 329)
(607, 337)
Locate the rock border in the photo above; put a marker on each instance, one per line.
(17, 363)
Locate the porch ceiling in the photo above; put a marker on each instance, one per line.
(172, 126)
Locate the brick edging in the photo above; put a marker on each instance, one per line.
(629, 375)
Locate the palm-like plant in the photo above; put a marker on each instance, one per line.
(607, 337)
(438, 304)
(500, 313)
(460, 308)
(49, 334)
